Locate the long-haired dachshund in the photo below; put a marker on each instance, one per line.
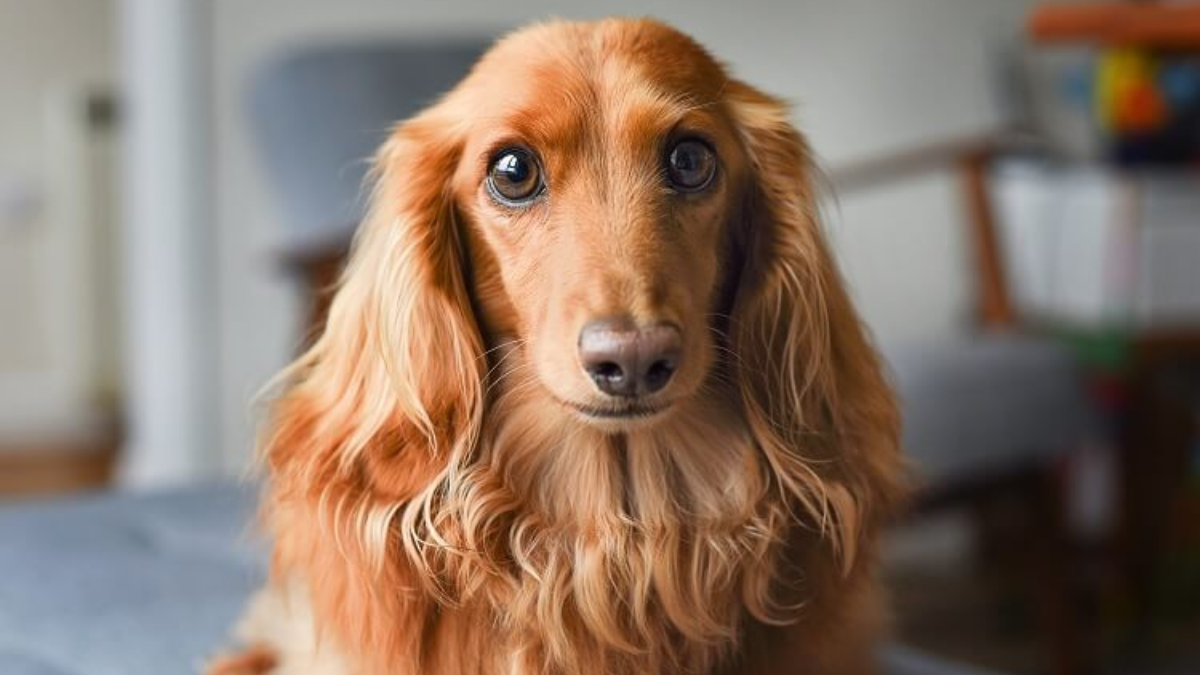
(591, 398)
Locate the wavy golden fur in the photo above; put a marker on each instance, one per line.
(440, 505)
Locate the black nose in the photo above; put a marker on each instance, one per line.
(624, 360)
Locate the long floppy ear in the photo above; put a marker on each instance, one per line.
(812, 386)
(393, 387)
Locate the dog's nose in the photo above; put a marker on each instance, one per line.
(624, 360)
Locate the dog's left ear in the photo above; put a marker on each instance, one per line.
(812, 385)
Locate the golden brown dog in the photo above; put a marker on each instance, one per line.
(591, 399)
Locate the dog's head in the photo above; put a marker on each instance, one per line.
(597, 198)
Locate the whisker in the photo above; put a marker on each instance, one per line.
(500, 362)
(523, 370)
(505, 343)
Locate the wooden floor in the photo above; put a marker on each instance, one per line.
(43, 468)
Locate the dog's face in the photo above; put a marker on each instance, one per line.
(597, 196)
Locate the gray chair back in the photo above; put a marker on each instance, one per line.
(319, 114)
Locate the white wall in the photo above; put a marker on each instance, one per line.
(869, 76)
(51, 51)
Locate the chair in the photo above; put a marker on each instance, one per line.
(990, 414)
(318, 116)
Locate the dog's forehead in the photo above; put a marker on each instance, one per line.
(570, 57)
(553, 81)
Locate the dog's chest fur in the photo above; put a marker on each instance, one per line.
(643, 554)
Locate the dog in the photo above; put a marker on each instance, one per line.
(591, 398)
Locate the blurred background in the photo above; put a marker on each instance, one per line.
(1014, 197)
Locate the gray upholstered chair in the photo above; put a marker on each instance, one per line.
(990, 413)
(978, 408)
(319, 114)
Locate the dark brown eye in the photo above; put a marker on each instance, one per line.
(691, 166)
(515, 178)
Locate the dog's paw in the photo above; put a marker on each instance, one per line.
(257, 660)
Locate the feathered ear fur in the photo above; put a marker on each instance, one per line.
(812, 387)
(383, 406)
(398, 367)
(391, 393)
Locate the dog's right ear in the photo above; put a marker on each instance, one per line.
(393, 388)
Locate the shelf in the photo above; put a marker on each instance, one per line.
(1171, 26)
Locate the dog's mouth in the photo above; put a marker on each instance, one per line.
(619, 412)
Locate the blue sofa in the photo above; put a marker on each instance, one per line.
(150, 584)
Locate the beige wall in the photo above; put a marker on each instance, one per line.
(868, 76)
(48, 49)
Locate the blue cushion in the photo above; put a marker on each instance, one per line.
(986, 405)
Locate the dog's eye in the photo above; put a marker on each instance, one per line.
(691, 166)
(515, 177)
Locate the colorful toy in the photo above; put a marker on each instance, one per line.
(1148, 105)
